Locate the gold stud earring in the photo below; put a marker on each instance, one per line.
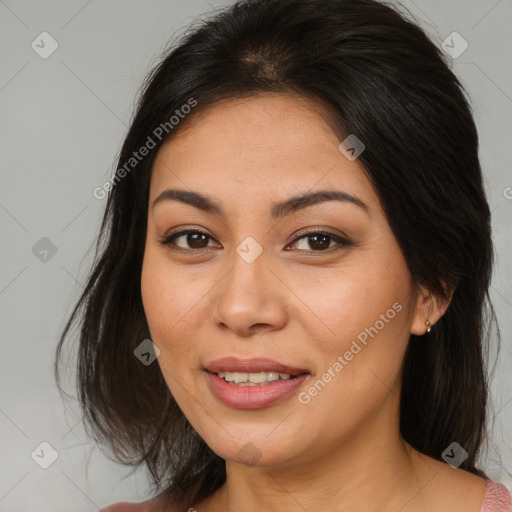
(429, 325)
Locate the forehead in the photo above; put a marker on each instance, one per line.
(267, 145)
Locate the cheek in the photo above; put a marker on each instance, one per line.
(166, 299)
(164, 308)
(359, 370)
(344, 303)
(365, 312)
(175, 302)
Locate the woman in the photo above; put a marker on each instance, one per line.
(289, 306)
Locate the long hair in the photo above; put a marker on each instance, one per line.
(380, 77)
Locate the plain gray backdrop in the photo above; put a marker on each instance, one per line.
(63, 118)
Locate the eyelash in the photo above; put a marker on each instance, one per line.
(168, 241)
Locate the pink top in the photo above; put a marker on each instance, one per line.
(497, 499)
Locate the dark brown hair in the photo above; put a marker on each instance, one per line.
(382, 79)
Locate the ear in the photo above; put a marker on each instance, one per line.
(428, 307)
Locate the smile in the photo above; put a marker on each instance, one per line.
(253, 379)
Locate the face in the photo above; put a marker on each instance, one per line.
(318, 285)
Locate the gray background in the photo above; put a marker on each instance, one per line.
(63, 119)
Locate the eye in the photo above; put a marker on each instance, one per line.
(194, 238)
(320, 241)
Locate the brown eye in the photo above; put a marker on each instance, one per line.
(319, 241)
(189, 240)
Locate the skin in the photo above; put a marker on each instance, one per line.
(303, 306)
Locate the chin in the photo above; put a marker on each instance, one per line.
(254, 446)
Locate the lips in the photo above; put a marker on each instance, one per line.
(233, 364)
(237, 395)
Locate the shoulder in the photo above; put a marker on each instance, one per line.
(497, 498)
(455, 489)
(153, 505)
(123, 506)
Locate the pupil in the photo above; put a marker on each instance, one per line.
(194, 243)
(323, 245)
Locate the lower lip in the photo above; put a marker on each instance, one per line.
(252, 397)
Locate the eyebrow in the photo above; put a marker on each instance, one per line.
(277, 211)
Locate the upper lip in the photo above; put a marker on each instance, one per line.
(233, 364)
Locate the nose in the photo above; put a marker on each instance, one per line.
(250, 298)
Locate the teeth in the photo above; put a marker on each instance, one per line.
(252, 379)
(257, 378)
(272, 376)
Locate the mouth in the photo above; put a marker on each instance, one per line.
(253, 379)
(252, 383)
(254, 371)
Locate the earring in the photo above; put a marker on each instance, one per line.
(429, 325)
